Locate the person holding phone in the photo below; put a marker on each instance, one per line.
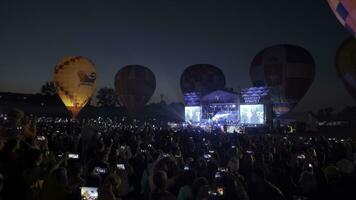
(261, 188)
(186, 192)
(110, 189)
(160, 182)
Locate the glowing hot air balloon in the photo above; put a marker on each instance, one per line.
(135, 85)
(288, 69)
(75, 81)
(346, 65)
(344, 11)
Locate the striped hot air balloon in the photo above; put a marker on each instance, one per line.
(288, 69)
(345, 12)
(345, 63)
(135, 85)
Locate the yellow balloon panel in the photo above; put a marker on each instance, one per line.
(75, 82)
(346, 57)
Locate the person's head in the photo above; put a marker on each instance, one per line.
(307, 182)
(59, 177)
(201, 163)
(103, 157)
(93, 180)
(233, 164)
(197, 185)
(76, 169)
(160, 180)
(115, 182)
(226, 186)
(34, 157)
(258, 175)
(189, 177)
(345, 167)
(11, 145)
(268, 158)
(14, 116)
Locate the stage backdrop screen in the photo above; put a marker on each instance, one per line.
(193, 113)
(252, 114)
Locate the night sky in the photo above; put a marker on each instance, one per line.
(167, 36)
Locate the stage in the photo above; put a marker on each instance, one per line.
(229, 111)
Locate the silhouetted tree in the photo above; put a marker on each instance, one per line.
(48, 89)
(107, 97)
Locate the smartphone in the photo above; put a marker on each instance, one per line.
(207, 156)
(301, 156)
(223, 169)
(213, 193)
(233, 147)
(211, 151)
(89, 193)
(100, 170)
(186, 168)
(121, 166)
(249, 152)
(40, 138)
(73, 156)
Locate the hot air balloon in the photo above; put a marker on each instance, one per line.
(135, 85)
(345, 62)
(199, 79)
(344, 11)
(288, 70)
(75, 81)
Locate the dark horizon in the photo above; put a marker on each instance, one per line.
(167, 37)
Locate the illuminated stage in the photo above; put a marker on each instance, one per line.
(229, 111)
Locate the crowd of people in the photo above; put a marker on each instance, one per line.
(117, 159)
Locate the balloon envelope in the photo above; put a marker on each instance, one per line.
(135, 85)
(345, 63)
(345, 12)
(288, 69)
(202, 78)
(75, 81)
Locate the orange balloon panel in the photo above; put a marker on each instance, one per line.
(75, 82)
